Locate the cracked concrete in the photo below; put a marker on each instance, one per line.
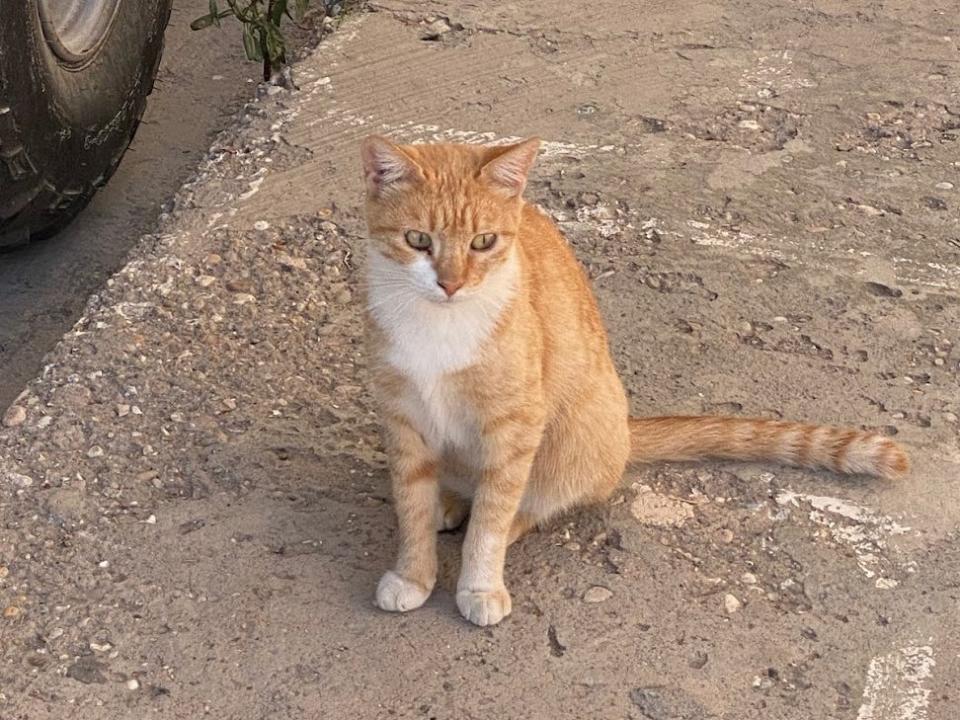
(193, 494)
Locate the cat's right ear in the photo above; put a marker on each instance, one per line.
(386, 166)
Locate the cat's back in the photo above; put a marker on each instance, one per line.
(559, 288)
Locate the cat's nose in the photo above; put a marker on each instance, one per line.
(450, 286)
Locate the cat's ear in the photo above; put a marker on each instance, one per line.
(510, 165)
(385, 165)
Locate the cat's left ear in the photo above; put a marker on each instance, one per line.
(508, 169)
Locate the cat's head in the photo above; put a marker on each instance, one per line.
(443, 218)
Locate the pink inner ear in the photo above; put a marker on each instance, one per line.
(509, 172)
(388, 168)
(384, 164)
(510, 169)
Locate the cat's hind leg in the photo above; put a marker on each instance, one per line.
(580, 462)
(522, 524)
(452, 510)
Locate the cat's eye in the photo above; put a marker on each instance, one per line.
(484, 241)
(418, 240)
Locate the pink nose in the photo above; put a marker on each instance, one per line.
(450, 286)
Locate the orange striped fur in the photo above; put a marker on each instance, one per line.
(491, 364)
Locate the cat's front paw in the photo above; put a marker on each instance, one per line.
(484, 608)
(397, 594)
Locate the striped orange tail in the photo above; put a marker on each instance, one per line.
(820, 446)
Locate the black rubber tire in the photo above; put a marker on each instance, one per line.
(64, 129)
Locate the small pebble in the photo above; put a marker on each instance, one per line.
(749, 578)
(944, 185)
(4, 571)
(239, 285)
(44, 422)
(871, 210)
(11, 611)
(151, 520)
(597, 594)
(19, 479)
(123, 410)
(749, 124)
(15, 415)
(133, 684)
(146, 476)
(206, 280)
(291, 263)
(731, 604)
(261, 225)
(95, 451)
(103, 564)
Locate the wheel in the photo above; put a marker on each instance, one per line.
(74, 80)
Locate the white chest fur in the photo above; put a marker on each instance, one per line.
(441, 415)
(428, 339)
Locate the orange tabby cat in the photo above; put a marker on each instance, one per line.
(491, 364)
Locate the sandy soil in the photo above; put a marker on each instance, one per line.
(193, 502)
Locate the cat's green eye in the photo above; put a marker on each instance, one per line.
(484, 241)
(418, 240)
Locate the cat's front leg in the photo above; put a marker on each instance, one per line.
(482, 597)
(413, 475)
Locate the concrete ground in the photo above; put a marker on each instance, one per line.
(193, 501)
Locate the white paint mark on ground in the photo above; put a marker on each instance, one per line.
(938, 275)
(605, 220)
(863, 529)
(254, 188)
(894, 688)
(434, 133)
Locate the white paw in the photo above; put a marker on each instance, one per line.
(397, 594)
(484, 608)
